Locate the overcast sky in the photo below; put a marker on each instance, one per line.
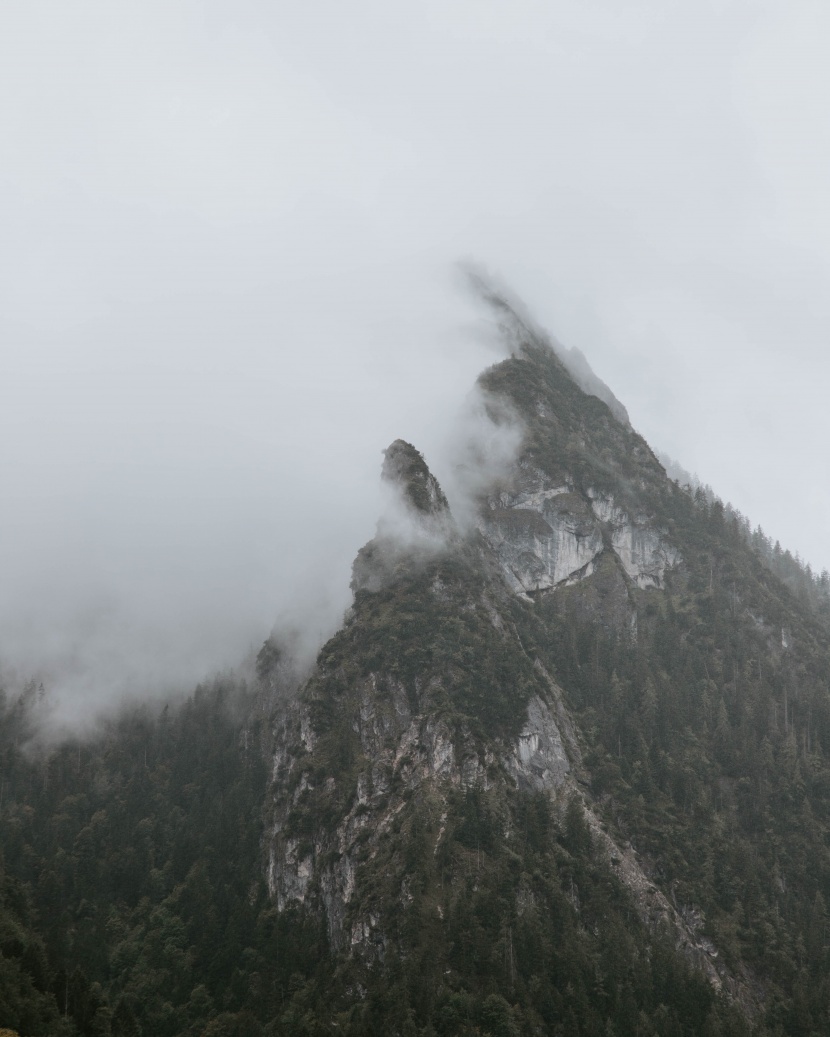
(228, 233)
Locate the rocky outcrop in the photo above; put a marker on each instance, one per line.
(416, 523)
(402, 754)
(539, 761)
(542, 538)
(548, 535)
(643, 551)
(406, 755)
(405, 469)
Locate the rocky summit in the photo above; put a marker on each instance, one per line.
(602, 654)
(564, 770)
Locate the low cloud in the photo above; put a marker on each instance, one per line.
(224, 279)
(485, 442)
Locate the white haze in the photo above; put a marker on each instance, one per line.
(480, 445)
(225, 263)
(484, 441)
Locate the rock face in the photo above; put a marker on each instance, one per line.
(405, 740)
(642, 550)
(546, 535)
(539, 760)
(542, 537)
(403, 750)
(404, 469)
(402, 755)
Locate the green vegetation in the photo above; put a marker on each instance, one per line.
(708, 749)
(709, 730)
(136, 858)
(430, 629)
(519, 933)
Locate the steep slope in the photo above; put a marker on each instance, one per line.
(429, 733)
(605, 655)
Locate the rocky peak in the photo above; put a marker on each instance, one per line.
(416, 525)
(496, 704)
(586, 493)
(405, 469)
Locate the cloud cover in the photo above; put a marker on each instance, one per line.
(224, 271)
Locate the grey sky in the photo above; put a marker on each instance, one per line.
(225, 272)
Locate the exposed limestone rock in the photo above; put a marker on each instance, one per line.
(642, 550)
(288, 874)
(545, 536)
(539, 761)
(403, 753)
(541, 537)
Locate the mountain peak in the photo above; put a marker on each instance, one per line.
(416, 524)
(523, 335)
(405, 469)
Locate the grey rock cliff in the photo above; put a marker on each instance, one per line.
(545, 535)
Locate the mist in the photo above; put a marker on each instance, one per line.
(225, 271)
(161, 543)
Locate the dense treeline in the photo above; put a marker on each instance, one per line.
(797, 574)
(135, 857)
(133, 903)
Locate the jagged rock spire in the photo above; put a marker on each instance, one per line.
(417, 522)
(405, 468)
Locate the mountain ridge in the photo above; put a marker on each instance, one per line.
(586, 527)
(538, 759)
(561, 771)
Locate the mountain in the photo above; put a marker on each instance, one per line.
(564, 770)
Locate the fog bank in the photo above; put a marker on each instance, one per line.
(224, 284)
